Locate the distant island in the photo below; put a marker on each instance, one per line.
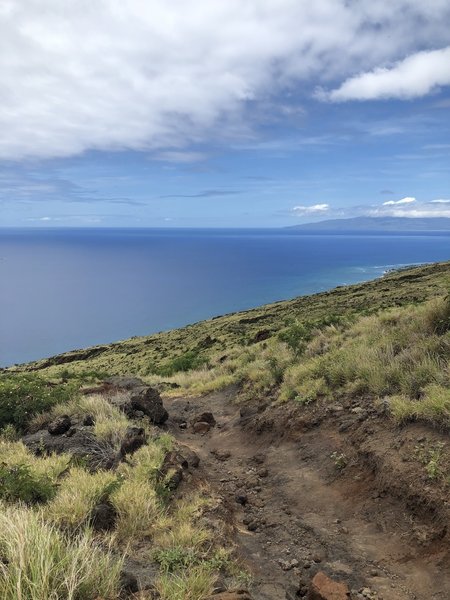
(377, 224)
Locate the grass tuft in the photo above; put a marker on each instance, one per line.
(40, 562)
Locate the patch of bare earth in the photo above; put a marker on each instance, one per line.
(334, 488)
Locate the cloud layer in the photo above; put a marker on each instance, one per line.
(154, 75)
(416, 75)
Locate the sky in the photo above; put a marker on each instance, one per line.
(222, 113)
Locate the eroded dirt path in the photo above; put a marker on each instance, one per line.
(299, 516)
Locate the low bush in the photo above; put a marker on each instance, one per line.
(185, 362)
(24, 395)
(19, 483)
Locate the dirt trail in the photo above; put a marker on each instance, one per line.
(301, 516)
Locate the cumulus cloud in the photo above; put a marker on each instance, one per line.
(159, 76)
(417, 75)
(407, 200)
(309, 210)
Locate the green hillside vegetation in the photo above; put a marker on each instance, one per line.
(188, 348)
(387, 339)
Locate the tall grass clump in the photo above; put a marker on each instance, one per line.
(40, 563)
(138, 510)
(78, 494)
(195, 583)
(52, 466)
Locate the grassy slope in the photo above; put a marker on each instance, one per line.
(187, 348)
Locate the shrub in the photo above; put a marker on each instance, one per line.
(185, 362)
(24, 395)
(19, 483)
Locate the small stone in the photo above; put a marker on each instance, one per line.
(88, 421)
(201, 427)
(263, 472)
(252, 526)
(317, 558)
(241, 498)
(206, 417)
(324, 588)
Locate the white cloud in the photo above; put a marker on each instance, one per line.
(434, 208)
(407, 200)
(156, 75)
(308, 210)
(417, 75)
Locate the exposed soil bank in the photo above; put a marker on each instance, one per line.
(333, 488)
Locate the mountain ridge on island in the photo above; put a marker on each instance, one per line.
(378, 224)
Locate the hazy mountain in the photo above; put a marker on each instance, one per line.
(399, 224)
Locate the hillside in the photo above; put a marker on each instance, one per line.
(189, 347)
(297, 450)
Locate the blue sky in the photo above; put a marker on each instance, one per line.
(213, 114)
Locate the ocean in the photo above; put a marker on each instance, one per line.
(72, 288)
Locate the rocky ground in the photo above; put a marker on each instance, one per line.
(324, 502)
(322, 492)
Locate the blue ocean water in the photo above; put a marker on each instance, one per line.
(65, 289)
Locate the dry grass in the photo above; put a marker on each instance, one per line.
(138, 510)
(39, 562)
(195, 583)
(79, 493)
(51, 466)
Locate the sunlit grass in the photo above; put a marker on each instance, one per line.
(40, 562)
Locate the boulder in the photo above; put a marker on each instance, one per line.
(60, 425)
(190, 456)
(122, 383)
(82, 445)
(103, 517)
(172, 469)
(148, 401)
(134, 438)
(323, 587)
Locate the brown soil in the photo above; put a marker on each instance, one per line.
(369, 515)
